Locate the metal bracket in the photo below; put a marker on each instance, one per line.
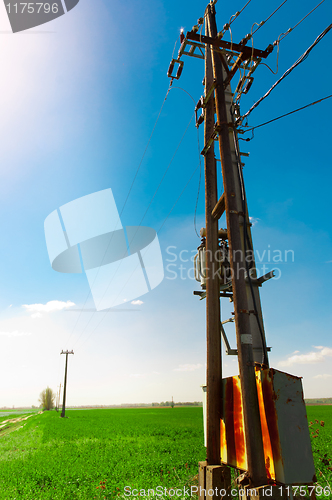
(214, 135)
(193, 46)
(262, 279)
(229, 351)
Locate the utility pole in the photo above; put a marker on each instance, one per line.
(236, 218)
(248, 412)
(65, 382)
(214, 376)
(250, 335)
(58, 399)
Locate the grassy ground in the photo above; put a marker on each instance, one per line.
(320, 425)
(95, 454)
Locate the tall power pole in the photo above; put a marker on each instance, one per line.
(251, 344)
(237, 221)
(65, 382)
(214, 376)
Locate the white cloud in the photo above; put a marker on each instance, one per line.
(137, 302)
(312, 357)
(51, 306)
(188, 368)
(36, 315)
(323, 376)
(15, 333)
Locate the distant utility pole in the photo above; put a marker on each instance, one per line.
(58, 399)
(65, 383)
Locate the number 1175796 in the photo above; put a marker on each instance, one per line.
(31, 8)
(303, 490)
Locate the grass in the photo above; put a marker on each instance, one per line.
(320, 425)
(95, 454)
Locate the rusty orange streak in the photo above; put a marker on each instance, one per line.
(269, 464)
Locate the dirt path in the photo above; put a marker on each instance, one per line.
(9, 425)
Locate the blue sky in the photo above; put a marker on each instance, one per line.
(79, 99)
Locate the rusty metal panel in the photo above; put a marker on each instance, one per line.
(285, 432)
(295, 445)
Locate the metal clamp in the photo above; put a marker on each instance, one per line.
(245, 311)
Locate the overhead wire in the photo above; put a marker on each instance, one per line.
(226, 26)
(263, 22)
(296, 25)
(199, 184)
(259, 25)
(199, 166)
(251, 62)
(160, 228)
(297, 63)
(139, 225)
(132, 184)
(126, 199)
(200, 160)
(249, 129)
(276, 43)
(283, 35)
(264, 64)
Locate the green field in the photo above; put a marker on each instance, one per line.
(95, 454)
(320, 424)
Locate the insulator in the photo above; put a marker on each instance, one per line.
(248, 86)
(170, 69)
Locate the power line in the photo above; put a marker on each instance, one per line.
(263, 22)
(299, 61)
(183, 190)
(286, 114)
(250, 37)
(125, 202)
(199, 148)
(296, 25)
(160, 228)
(283, 35)
(137, 171)
(199, 184)
(232, 19)
(146, 148)
(154, 195)
(141, 221)
(167, 168)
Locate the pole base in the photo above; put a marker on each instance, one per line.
(214, 482)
